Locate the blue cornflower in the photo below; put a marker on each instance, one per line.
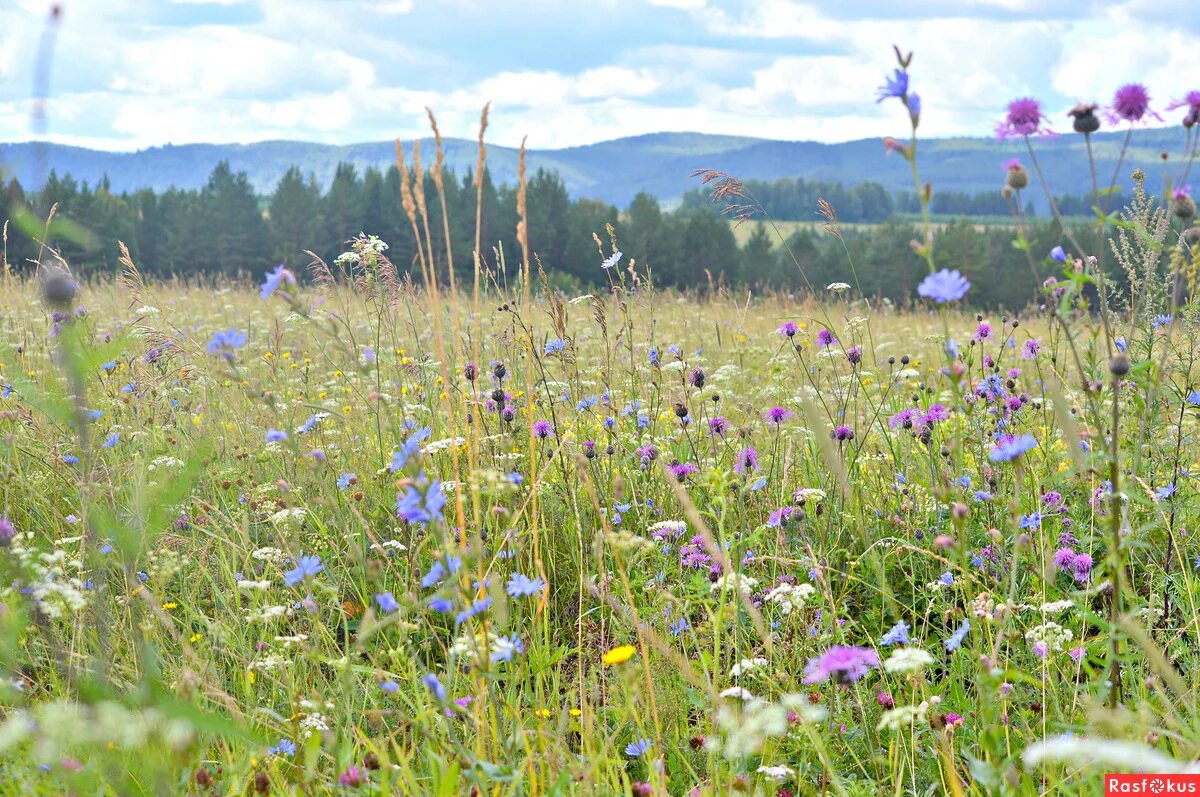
(440, 570)
(638, 748)
(306, 567)
(947, 578)
(442, 605)
(1031, 521)
(964, 482)
(504, 648)
(410, 450)
(274, 279)
(478, 607)
(956, 639)
(1059, 254)
(1009, 448)
(389, 686)
(679, 626)
(431, 681)
(109, 366)
(70, 459)
(611, 261)
(944, 286)
(654, 356)
(520, 585)
(285, 747)
(308, 425)
(896, 635)
(1193, 398)
(1120, 343)
(894, 86)
(1161, 321)
(914, 106)
(421, 509)
(276, 436)
(346, 479)
(224, 343)
(111, 440)
(555, 346)
(1163, 493)
(387, 603)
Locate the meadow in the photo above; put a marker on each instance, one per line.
(368, 529)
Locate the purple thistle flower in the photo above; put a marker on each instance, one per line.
(788, 329)
(841, 663)
(718, 425)
(778, 415)
(944, 286)
(1191, 101)
(1131, 103)
(843, 433)
(854, 355)
(1083, 567)
(747, 459)
(682, 471)
(825, 338)
(542, 429)
(1024, 118)
(1064, 559)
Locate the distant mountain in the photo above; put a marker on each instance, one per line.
(615, 171)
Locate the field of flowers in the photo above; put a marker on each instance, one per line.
(342, 533)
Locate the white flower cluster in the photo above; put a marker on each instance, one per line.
(903, 718)
(1052, 635)
(735, 581)
(61, 728)
(51, 584)
(791, 597)
(905, 661)
(745, 666)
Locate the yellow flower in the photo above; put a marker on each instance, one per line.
(544, 713)
(196, 637)
(169, 605)
(619, 655)
(576, 712)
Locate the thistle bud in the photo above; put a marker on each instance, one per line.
(1182, 204)
(1119, 365)
(1085, 117)
(1016, 178)
(58, 289)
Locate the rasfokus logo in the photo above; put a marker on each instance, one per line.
(1152, 784)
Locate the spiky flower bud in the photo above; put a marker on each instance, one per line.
(1085, 118)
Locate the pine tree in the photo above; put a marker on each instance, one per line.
(294, 219)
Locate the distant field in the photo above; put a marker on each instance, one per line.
(745, 229)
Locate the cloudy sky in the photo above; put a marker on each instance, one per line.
(568, 72)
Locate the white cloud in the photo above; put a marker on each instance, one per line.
(567, 74)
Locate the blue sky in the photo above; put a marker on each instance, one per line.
(129, 74)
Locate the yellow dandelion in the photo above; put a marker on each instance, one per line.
(619, 655)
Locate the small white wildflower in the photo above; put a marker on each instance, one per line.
(745, 666)
(738, 692)
(907, 660)
(777, 772)
(251, 586)
(837, 287)
(735, 581)
(791, 597)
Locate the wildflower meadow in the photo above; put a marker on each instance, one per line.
(375, 528)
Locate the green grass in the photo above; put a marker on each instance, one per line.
(154, 635)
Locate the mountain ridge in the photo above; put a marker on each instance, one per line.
(615, 170)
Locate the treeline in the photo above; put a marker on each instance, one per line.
(224, 228)
(795, 199)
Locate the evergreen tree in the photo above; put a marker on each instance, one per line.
(294, 218)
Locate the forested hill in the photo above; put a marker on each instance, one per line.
(613, 171)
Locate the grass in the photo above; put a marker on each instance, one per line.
(680, 584)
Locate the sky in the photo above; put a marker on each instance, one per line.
(131, 74)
